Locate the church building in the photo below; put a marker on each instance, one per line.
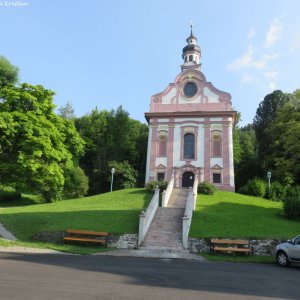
(190, 128)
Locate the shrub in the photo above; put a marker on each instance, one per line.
(206, 188)
(254, 187)
(291, 204)
(162, 185)
(277, 192)
(76, 183)
(9, 196)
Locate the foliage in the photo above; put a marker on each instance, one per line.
(291, 204)
(66, 111)
(9, 196)
(125, 175)
(278, 191)
(247, 166)
(36, 144)
(9, 74)
(286, 147)
(206, 188)
(111, 136)
(76, 183)
(161, 184)
(254, 187)
(232, 215)
(265, 115)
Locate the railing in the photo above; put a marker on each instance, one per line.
(147, 217)
(167, 193)
(188, 213)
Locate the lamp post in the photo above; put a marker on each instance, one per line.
(269, 174)
(112, 178)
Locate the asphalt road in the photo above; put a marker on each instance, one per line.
(51, 276)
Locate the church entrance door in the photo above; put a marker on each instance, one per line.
(188, 179)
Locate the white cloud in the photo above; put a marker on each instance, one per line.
(273, 75)
(243, 61)
(274, 33)
(247, 78)
(247, 61)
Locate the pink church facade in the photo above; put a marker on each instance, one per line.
(190, 128)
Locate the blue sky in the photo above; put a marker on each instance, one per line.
(111, 53)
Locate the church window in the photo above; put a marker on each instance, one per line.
(189, 146)
(185, 59)
(216, 178)
(216, 143)
(160, 176)
(190, 57)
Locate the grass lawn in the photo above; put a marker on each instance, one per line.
(230, 215)
(116, 212)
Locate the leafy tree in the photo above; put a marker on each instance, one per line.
(265, 115)
(125, 176)
(37, 146)
(76, 183)
(9, 74)
(111, 136)
(286, 147)
(66, 111)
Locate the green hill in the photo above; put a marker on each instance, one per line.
(233, 215)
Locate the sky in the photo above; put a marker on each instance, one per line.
(109, 53)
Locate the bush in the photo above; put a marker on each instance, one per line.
(76, 183)
(162, 185)
(206, 188)
(9, 196)
(277, 192)
(291, 204)
(254, 187)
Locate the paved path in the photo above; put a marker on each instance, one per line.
(40, 276)
(6, 234)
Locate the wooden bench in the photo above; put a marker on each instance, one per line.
(86, 236)
(236, 246)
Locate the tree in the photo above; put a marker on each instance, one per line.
(286, 147)
(265, 115)
(125, 175)
(9, 74)
(37, 146)
(66, 111)
(111, 136)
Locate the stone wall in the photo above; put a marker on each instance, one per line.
(260, 247)
(126, 241)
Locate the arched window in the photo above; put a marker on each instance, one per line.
(216, 143)
(190, 57)
(189, 146)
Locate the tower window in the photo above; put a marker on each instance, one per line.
(185, 59)
(189, 146)
(190, 57)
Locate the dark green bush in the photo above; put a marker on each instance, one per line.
(206, 188)
(151, 185)
(277, 192)
(254, 187)
(9, 196)
(291, 204)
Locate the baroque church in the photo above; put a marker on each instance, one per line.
(190, 128)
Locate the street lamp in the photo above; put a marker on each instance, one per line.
(112, 178)
(269, 174)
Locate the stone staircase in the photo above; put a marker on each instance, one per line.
(165, 231)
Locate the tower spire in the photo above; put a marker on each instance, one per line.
(191, 53)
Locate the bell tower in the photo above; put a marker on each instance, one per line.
(191, 53)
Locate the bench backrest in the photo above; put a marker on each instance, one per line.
(90, 232)
(237, 242)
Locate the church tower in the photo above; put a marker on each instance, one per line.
(190, 128)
